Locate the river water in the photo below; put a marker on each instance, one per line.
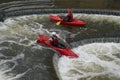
(93, 4)
(22, 59)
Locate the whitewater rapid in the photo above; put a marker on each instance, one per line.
(96, 61)
(21, 58)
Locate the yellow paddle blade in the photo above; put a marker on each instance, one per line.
(58, 23)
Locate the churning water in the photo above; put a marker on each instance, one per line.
(22, 59)
(97, 61)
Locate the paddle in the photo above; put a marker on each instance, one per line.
(58, 23)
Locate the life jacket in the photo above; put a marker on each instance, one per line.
(69, 17)
(54, 40)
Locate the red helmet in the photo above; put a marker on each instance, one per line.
(69, 11)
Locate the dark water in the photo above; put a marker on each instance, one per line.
(94, 4)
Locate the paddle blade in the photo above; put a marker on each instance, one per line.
(58, 23)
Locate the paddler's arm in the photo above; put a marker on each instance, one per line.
(64, 41)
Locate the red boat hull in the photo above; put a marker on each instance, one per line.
(63, 51)
(75, 22)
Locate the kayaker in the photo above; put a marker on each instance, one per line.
(54, 40)
(69, 17)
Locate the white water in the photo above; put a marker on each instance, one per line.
(15, 28)
(95, 60)
(5, 68)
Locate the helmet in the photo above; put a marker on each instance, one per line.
(53, 33)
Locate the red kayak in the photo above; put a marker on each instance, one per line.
(75, 22)
(63, 51)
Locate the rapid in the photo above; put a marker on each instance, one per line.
(21, 58)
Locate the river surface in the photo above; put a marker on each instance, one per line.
(22, 59)
(93, 4)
